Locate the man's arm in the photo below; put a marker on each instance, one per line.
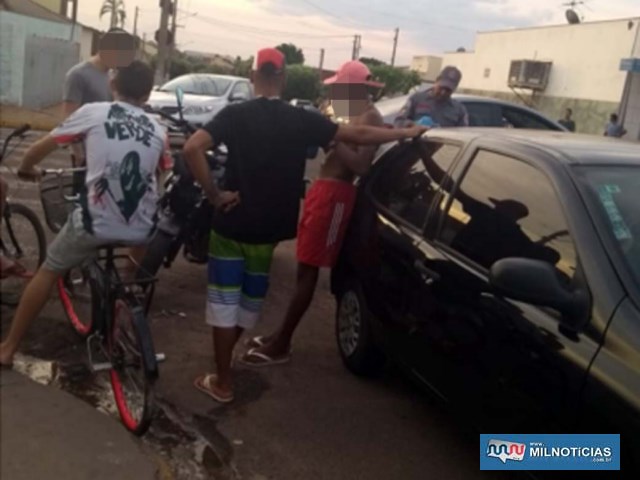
(72, 93)
(34, 155)
(365, 135)
(194, 154)
(463, 121)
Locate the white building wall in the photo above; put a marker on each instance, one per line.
(14, 29)
(586, 58)
(428, 66)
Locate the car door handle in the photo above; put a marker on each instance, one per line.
(428, 275)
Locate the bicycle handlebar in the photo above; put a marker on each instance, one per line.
(18, 132)
(190, 129)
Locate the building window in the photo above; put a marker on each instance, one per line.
(487, 72)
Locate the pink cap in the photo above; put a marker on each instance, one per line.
(353, 72)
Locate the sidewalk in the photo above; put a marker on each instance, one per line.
(46, 433)
(45, 120)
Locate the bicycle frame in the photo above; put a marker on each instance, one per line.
(106, 288)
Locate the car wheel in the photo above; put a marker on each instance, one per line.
(354, 333)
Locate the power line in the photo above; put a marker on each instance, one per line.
(253, 28)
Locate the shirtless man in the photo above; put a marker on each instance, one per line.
(327, 208)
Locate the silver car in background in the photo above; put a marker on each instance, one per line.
(204, 95)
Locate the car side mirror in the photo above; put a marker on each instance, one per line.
(538, 283)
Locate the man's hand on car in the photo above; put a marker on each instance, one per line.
(416, 131)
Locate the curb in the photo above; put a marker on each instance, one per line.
(35, 125)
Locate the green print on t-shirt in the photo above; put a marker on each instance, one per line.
(122, 125)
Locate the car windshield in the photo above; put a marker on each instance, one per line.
(615, 189)
(196, 85)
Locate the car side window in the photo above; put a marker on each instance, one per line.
(405, 187)
(483, 114)
(242, 88)
(508, 208)
(522, 119)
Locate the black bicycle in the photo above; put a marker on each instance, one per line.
(107, 311)
(22, 239)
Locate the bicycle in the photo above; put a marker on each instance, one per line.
(22, 239)
(116, 320)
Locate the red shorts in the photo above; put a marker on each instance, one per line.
(325, 217)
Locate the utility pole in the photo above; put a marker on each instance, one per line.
(355, 53)
(174, 28)
(135, 22)
(321, 65)
(355, 45)
(395, 46)
(165, 5)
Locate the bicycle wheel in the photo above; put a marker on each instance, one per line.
(130, 380)
(75, 291)
(22, 240)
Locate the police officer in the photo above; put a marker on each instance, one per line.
(436, 104)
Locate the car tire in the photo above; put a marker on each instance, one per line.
(354, 333)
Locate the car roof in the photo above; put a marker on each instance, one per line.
(228, 77)
(571, 148)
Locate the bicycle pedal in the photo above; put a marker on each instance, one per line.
(160, 357)
(100, 367)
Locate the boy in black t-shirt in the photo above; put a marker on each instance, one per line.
(267, 140)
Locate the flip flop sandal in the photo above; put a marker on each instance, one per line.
(204, 382)
(266, 360)
(255, 342)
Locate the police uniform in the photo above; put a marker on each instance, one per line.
(447, 113)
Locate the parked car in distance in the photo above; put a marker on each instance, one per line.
(500, 269)
(483, 112)
(204, 95)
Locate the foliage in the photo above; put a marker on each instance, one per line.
(371, 62)
(242, 68)
(302, 82)
(182, 64)
(396, 80)
(117, 10)
(292, 54)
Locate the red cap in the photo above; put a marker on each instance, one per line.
(353, 72)
(269, 59)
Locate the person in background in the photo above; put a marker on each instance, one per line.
(268, 141)
(614, 128)
(436, 103)
(327, 209)
(567, 122)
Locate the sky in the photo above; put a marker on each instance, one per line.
(427, 27)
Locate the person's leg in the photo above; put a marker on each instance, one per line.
(71, 247)
(226, 270)
(32, 301)
(279, 345)
(255, 283)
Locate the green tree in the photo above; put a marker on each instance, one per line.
(371, 62)
(396, 80)
(292, 54)
(302, 82)
(117, 10)
(242, 68)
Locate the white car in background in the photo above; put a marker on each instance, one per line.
(204, 95)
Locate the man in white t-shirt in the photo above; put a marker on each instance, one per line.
(118, 204)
